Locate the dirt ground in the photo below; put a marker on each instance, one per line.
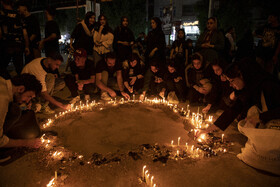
(111, 143)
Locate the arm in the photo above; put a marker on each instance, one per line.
(49, 98)
(32, 143)
(120, 84)
(50, 38)
(100, 84)
(26, 40)
(171, 53)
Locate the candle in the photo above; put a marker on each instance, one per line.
(172, 143)
(178, 152)
(187, 146)
(55, 175)
(154, 185)
(145, 174)
(188, 107)
(179, 141)
(143, 171)
(133, 97)
(223, 137)
(198, 110)
(147, 179)
(152, 178)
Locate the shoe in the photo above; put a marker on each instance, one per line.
(105, 96)
(47, 110)
(37, 107)
(87, 97)
(75, 100)
(5, 159)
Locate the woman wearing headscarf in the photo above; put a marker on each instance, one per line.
(211, 42)
(103, 39)
(155, 42)
(123, 40)
(81, 36)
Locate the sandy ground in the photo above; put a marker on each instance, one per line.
(116, 133)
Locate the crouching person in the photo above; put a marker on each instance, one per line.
(45, 70)
(174, 82)
(81, 81)
(133, 73)
(109, 77)
(18, 128)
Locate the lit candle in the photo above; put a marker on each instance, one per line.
(223, 137)
(154, 185)
(198, 110)
(133, 97)
(172, 142)
(188, 107)
(143, 171)
(145, 174)
(187, 146)
(55, 175)
(152, 178)
(147, 179)
(178, 152)
(179, 141)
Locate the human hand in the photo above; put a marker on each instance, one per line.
(41, 44)
(206, 109)
(253, 120)
(130, 89)
(133, 80)
(232, 96)
(161, 94)
(126, 96)
(112, 93)
(27, 51)
(80, 84)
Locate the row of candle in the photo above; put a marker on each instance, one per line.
(146, 177)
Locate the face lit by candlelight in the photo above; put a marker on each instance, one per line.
(237, 83)
(197, 64)
(133, 63)
(217, 70)
(171, 69)
(154, 69)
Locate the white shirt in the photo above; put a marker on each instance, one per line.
(35, 68)
(106, 43)
(6, 96)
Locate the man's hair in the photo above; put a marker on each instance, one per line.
(29, 82)
(51, 10)
(56, 56)
(25, 4)
(111, 55)
(134, 56)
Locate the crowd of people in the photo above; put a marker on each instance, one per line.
(218, 72)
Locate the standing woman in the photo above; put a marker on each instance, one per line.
(211, 42)
(155, 42)
(179, 51)
(83, 33)
(123, 40)
(103, 39)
